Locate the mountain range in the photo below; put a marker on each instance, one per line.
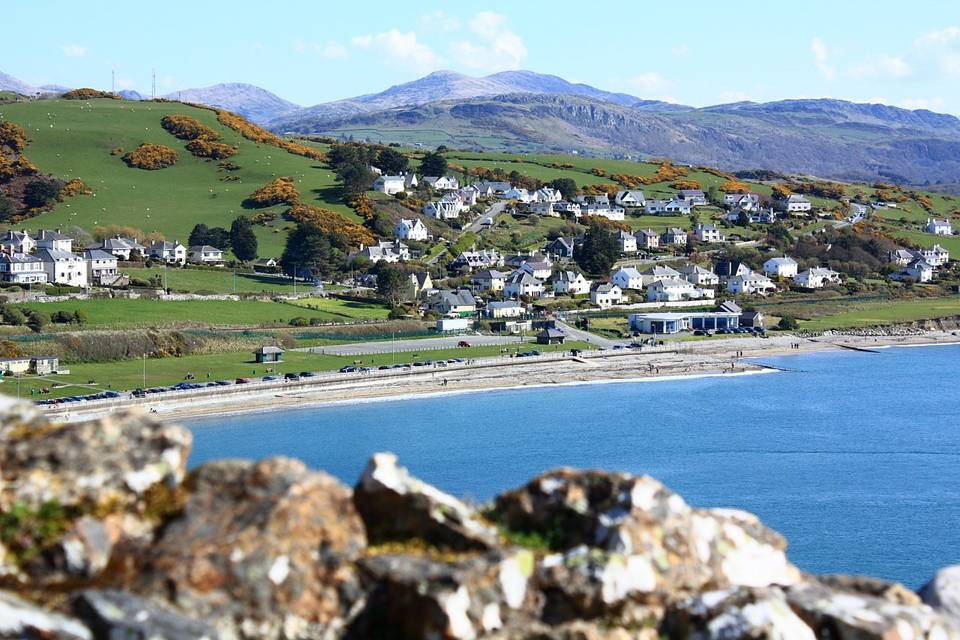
(527, 111)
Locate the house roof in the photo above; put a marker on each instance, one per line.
(508, 304)
(53, 255)
(606, 288)
(551, 333)
(671, 282)
(675, 231)
(630, 272)
(567, 276)
(204, 249)
(660, 272)
(46, 234)
(489, 274)
(269, 349)
(98, 254)
(522, 277)
(785, 260)
(18, 258)
(729, 306)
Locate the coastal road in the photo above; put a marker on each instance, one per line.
(421, 344)
(492, 212)
(586, 336)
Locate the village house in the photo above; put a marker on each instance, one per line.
(935, 256)
(572, 283)
(939, 227)
(795, 203)
(385, 251)
(21, 268)
(516, 193)
(675, 290)
(560, 247)
(17, 242)
(44, 365)
(672, 207)
(505, 309)
(521, 283)
(606, 295)
(602, 210)
(742, 201)
(421, 282)
(18, 364)
(676, 322)
(483, 259)
(658, 272)
(441, 183)
(410, 180)
(268, 355)
(448, 207)
(55, 240)
(101, 266)
(699, 275)
(551, 336)
(816, 278)
(411, 229)
(518, 260)
(540, 269)
(390, 185)
(63, 267)
(783, 267)
(628, 243)
(489, 280)
(673, 237)
(452, 303)
(693, 197)
(708, 233)
(627, 278)
(169, 252)
(647, 239)
(123, 248)
(544, 208)
(548, 194)
(751, 283)
(630, 199)
(205, 254)
(730, 268)
(918, 271)
(468, 196)
(568, 208)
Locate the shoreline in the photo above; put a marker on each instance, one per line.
(681, 361)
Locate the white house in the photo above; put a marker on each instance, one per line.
(548, 194)
(442, 183)
(385, 251)
(411, 229)
(468, 196)
(939, 227)
(569, 208)
(708, 233)
(919, 271)
(750, 283)
(673, 207)
(571, 283)
(17, 242)
(101, 266)
(483, 259)
(55, 240)
(63, 267)
(628, 243)
(520, 283)
(693, 197)
(742, 201)
(675, 290)
(205, 254)
(630, 199)
(540, 269)
(784, 267)
(443, 209)
(517, 193)
(602, 210)
(935, 256)
(658, 272)
(169, 252)
(816, 278)
(647, 239)
(21, 268)
(488, 188)
(123, 248)
(606, 295)
(699, 276)
(673, 237)
(560, 247)
(489, 280)
(795, 203)
(544, 208)
(390, 185)
(627, 278)
(505, 309)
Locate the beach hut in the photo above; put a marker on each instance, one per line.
(268, 354)
(551, 336)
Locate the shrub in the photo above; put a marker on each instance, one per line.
(279, 191)
(203, 148)
(7, 209)
(151, 157)
(87, 93)
(75, 187)
(12, 136)
(252, 132)
(685, 184)
(735, 186)
(113, 230)
(788, 323)
(40, 193)
(187, 128)
(116, 151)
(331, 222)
(299, 321)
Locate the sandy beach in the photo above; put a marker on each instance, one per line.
(680, 359)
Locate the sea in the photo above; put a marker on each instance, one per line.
(854, 457)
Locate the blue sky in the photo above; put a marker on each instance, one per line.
(696, 52)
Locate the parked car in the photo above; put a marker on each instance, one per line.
(463, 343)
(243, 380)
(291, 376)
(348, 369)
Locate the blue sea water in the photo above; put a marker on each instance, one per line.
(854, 457)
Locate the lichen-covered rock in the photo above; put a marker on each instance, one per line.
(82, 553)
(396, 506)
(842, 615)
(890, 591)
(21, 620)
(115, 614)
(260, 550)
(689, 549)
(733, 614)
(102, 465)
(420, 597)
(943, 593)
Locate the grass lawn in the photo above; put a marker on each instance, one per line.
(221, 281)
(926, 240)
(127, 314)
(347, 309)
(870, 314)
(129, 374)
(74, 138)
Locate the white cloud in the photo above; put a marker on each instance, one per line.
(933, 104)
(439, 20)
(821, 59)
(950, 63)
(328, 51)
(494, 47)
(734, 96)
(937, 38)
(881, 66)
(73, 50)
(126, 83)
(401, 47)
(647, 83)
(680, 50)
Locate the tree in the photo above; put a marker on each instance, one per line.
(218, 237)
(37, 321)
(566, 186)
(13, 316)
(311, 250)
(433, 164)
(355, 178)
(7, 209)
(392, 162)
(39, 193)
(599, 251)
(788, 323)
(242, 239)
(198, 236)
(394, 284)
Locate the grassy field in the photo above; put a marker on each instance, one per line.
(880, 313)
(74, 139)
(221, 281)
(129, 374)
(347, 309)
(127, 314)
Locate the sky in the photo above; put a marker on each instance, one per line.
(698, 52)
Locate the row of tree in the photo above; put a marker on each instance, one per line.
(240, 238)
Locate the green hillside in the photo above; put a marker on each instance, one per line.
(74, 139)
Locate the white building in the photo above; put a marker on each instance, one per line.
(489, 280)
(55, 240)
(571, 283)
(673, 237)
(628, 243)
(816, 278)
(101, 266)
(169, 252)
(520, 283)
(742, 201)
(17, 242)
(505, 309)
(21, 268)
(569, 208)
(784, 267)
(795, 203)
(385, 251)
(673, 207)
(442, 183)
(123, 248)
(919, 271)
(751, 283)
(411, 229)
(548, 194)
(699, 276)
(939, 227)
(483, 259)
(693, 197)
(708, 233)
(445, 208)
(602, 210)
(675, 290)
(606, 295)
(390, 185)
(544, 208)
(658, 272)
(630, 199)
(935, 256)
(63, 267)
(205, 254)
(540, 269)
(647, 239)
(627, 278)
(517, 193)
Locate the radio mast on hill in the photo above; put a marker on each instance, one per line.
(153, 91)
(113, 81)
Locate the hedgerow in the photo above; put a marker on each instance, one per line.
(205, 148)
(187, 128)
(331, 222)
(87, 93)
